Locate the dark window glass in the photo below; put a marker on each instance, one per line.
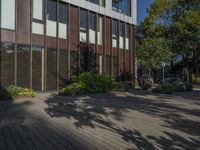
(37, 68)
(63, 13)
(92, 21)
(115, 66)
(83, 19)
(7, 64)
(98, 2)
(108, 65)
(51, 73)
(74, 62)
(114, 29)
(121, 30)
(62, 68)
(122, 6)
(51, 10)
(23, 66)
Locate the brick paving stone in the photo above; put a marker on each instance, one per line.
(115, 121)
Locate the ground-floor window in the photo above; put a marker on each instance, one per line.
(74, 62)
(51, 69)
(63, 68)
(23, 66)
(37, 68)
(108, 65)
(115, 66)
(7, 63)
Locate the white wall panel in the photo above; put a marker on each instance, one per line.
(107, 11)
(37, 28)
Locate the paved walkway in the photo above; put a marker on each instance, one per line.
(124, 121)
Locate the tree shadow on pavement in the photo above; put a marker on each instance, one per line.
(110, 109)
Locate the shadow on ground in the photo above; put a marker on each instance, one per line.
(96, 110)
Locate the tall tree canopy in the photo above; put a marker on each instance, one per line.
(177, 23)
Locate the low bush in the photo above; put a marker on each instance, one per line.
(93, 83)
(196, 78)
(146, 82)
(19, 91)
(120, 87)
(13, 91)
(169, 88)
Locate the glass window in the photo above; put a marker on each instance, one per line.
(115, 65)
(74, 62)
(98, 2)
(92, 30)
(7, 64)
(108, 65)
(127, 35)
(23, 66)
(51, 64)
(100, 30)
(121, 35)
(37, 68)
(114, 33)
(83, 26)
(62, 68)
(51, 18)
(38, 9)
(7, 14)
(122, 6)
(63, 20)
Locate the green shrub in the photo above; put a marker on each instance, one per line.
(92, 83)
(120, 87)
(73, 89)
(168, 88)
(19, 91)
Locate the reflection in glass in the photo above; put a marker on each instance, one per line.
(51, 70)
(7, 64)
(23, 66)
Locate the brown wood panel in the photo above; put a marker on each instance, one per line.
(74, 27)
(63, 43)
(8, 36)
(51, 42)
(108, 36)
(23, 21)
(114, 51)
(38, 40)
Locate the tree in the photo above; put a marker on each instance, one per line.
(178, 23)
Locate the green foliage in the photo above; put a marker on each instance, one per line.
(196, 78)
(92, 83)
(151, 52)
(169, 88)
(19, 91)
(74, 89)
(120, 87)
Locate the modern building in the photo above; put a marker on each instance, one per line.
(41, 40)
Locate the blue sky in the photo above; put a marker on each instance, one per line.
(142, 6)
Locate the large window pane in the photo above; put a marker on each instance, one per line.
(83, 26)
(38, 9)
(98, 2)
(92, 30)
(62, 68)
(122, 6)
(51, 82)
(114, 33)
(51, 18)
(8, 14)
(100, 30)
(62, 20)
(74, 62)
(127, 35)
(108, 65)
(23, 66)
(121, 35)
(37, 68)
(7, 64)
(115, 66)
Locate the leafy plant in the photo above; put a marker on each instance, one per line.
(19, 91)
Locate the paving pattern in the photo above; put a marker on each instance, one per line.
(125, 121)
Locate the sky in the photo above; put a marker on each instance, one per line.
(142, 6)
